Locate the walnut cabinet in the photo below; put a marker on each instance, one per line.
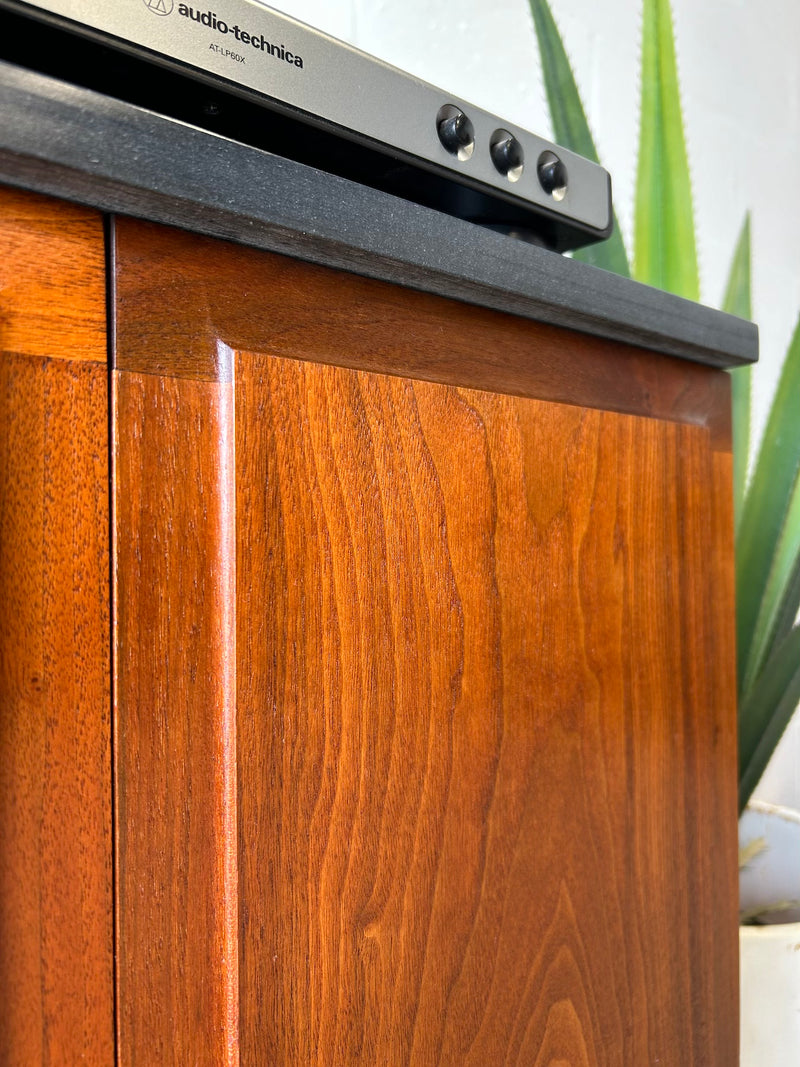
(366, 670)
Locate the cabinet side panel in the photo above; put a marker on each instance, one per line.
(56, 925)
(52, 278)
(715, 804)
(56, 900)
(487, 778)
(176, 773)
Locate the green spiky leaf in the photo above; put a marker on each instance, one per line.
(765, 510)
(765, 712)
(781, 599)
(570, 126)
(789, 607)
(737, 301)
(665, 253)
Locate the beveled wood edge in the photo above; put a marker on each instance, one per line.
(197, 352)
(222, 762)
(185, 305)
(55, 137)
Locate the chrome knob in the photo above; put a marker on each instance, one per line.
(507, 154)
(552, 175)
(456, 132)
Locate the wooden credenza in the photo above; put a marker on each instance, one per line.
(366, 670)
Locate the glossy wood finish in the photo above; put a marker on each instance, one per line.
(180, 294)
(176, 747)
(486, 746)
(484, 690)
(56, 905)
(52, 278)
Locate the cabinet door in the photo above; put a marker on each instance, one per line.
(425, 696)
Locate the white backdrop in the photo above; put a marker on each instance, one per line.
(740, 76)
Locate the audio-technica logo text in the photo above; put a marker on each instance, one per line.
(160, 7)
(254, 40)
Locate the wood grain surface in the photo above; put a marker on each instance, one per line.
(424, 688)
(484, 735)
(52, 278)
(486, 738)
(176, 747)
(179, 294)
(56, 901)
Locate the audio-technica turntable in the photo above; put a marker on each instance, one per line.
(245, 70)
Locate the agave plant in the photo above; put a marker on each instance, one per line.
(767, 505)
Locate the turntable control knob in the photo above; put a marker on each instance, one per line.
(552, 175)
(456, 132)
(507, 154)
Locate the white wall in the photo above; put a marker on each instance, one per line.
(741, 94)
